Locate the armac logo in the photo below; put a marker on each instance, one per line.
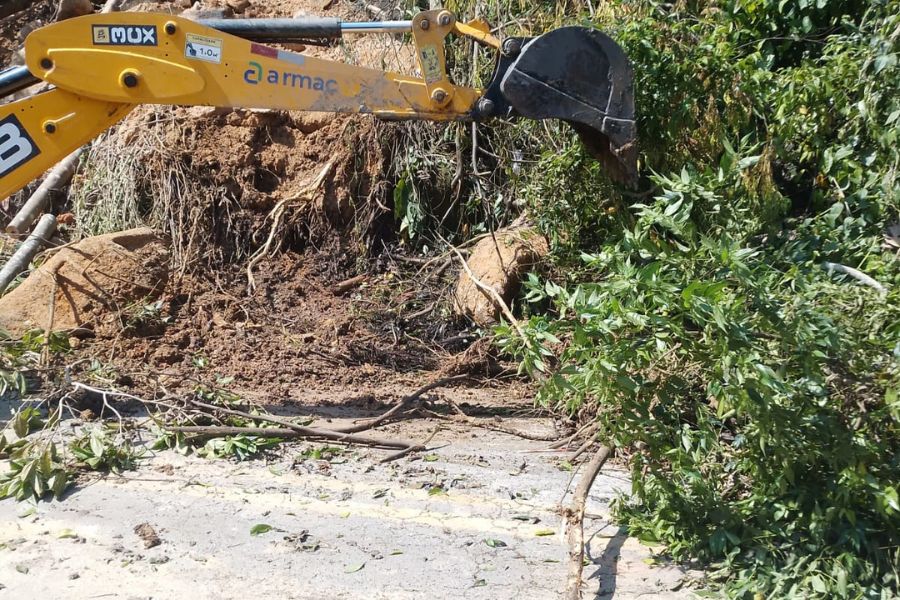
(124, 35)
(256, 74)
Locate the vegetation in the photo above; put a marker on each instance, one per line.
(706, 318)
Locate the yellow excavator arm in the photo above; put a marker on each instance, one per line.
(101, 66)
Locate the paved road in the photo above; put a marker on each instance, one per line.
(478, 520)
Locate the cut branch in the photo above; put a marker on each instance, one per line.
(19, 261)
(56, 179)
(575, 517)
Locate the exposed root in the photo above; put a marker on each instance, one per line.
(306, 195)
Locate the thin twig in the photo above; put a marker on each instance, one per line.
(401, 405)
(415, 448)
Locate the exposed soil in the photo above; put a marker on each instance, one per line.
(16, 27)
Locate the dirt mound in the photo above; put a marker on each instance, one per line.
(498, 261)
(96, 276)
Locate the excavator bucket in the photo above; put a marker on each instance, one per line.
(583, 77)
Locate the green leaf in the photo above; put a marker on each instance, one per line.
(495, 543)
(260, 528)
(354, 568)
(544, 532)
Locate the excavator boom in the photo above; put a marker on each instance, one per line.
(100, 67)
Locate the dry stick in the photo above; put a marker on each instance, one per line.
(110, 6)
(415, 448)
(50, 318)
(348, 284)
(400, 406)
(218, 430)
(22, 257)
(329, 434)
(467, 420)
(582, 448)
(586, 430)
(575, 517)
(40, 199)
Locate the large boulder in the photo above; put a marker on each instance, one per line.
(499, 261)
(83, 282)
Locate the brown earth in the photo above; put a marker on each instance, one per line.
(211, 178)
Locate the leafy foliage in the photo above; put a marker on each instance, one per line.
(97, 451)
(754, 391)
(34, 471)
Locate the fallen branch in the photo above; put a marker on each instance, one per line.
(22, 257)
(575, 518)
(855, 274)
(285, 432)
(588, 429)
(58, 177)
(304, 431)
(490, 425)
(401, 405)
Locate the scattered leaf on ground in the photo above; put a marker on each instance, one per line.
(260, 528)
(66, 534)
(544, 532)
(430, 457)
(354, 568)
(495, 543)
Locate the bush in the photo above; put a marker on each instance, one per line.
(752, 387)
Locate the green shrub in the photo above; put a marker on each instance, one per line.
(753, 389)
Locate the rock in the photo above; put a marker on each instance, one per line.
(238, 6)
(73, 8)
(197, 12)
(498, 261)
(97, 276)
(146, 532)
